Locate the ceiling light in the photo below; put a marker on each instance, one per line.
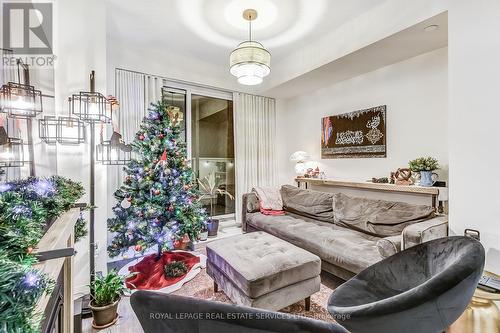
(431, 28)
(250, 62)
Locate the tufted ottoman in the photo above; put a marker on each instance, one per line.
(262, 271)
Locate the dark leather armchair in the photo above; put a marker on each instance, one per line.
(423, 289)
(162, 313)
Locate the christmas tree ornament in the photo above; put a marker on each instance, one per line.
(126, 203)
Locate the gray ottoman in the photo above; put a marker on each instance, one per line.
(262, 271)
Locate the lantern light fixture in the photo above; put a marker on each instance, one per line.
(64, 130)
(114, 151)
(91, 106)
(11, 151)
(21, 100)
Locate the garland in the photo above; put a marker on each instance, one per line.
(25, 208)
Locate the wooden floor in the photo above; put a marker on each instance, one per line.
(127, 321)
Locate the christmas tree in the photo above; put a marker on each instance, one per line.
(157, 203)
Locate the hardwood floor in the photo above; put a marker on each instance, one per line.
(127, 320)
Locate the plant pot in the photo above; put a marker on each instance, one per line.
(182, 244)
(203, 235)
(104, 316)
(428, 178)
(213, 228)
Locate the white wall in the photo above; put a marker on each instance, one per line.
(80, 46)
(474, 118)
(415, 92)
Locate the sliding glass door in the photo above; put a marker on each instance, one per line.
(212, 150)
(208, 123)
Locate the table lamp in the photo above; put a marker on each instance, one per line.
(300, 157)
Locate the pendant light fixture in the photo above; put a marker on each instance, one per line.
(250, 62)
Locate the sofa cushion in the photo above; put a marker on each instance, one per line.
(349, 249)
(389, 246)
(259, 263)
(309, 203)
(252, 203)
(377, 217)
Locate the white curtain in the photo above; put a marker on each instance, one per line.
(153, 87)
(255, 143)
(135, 92)
(130, 92)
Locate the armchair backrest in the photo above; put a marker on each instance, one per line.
(159, 312)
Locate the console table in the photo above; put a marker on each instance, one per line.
(427, 194)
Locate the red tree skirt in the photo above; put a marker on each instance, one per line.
(151, 275)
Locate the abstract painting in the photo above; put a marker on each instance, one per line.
(359, 134)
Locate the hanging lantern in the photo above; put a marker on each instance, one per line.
(90, 107)
(114, 151)
(11, 151)
(64, 130)
(21, 100)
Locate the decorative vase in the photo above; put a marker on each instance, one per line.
(213, 228)
(104, 316)
(428, 178)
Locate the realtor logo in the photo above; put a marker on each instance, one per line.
(27, 28)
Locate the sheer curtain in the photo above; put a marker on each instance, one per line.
(135, 92)
(131, 93)
(255, 142)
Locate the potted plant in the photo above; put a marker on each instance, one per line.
(425, 166)
(209, 188)
(105, 293)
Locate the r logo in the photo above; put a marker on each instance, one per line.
(27, 27)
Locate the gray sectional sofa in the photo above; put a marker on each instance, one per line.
(348, 234)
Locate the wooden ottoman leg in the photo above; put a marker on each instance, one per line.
(216, 287)
(308, 303)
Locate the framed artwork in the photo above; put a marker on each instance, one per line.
(359, 134)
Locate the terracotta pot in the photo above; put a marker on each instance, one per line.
(213, 228)
(104, 316)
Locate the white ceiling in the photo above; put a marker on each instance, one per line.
(403, 45)
(209, 29)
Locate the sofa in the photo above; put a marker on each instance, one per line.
(349, 234)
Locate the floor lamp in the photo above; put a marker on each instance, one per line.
(92, 108)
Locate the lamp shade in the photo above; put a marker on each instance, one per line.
(250, 62)
(299, 156)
